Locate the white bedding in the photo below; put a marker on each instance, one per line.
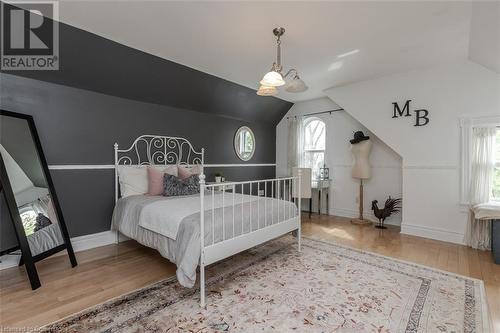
(165, 216)
(184, 250)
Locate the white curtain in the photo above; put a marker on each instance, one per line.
(295, 143)
(482, 168)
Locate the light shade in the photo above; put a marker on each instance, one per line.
(272, 79)
(296, 85)
(267, 91)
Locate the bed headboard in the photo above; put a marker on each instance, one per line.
(157, 150)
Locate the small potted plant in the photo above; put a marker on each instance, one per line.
(218, 177)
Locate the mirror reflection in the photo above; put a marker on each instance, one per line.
(30, 188)
(244, 143)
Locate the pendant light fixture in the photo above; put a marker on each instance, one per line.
(267, 91)
(275, 78)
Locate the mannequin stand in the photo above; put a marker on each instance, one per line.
(361, 220)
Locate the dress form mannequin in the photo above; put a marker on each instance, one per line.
(361, 168)
(361, 148)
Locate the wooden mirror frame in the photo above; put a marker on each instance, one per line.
(27, 258)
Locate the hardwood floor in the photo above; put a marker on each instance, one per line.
(110, 271)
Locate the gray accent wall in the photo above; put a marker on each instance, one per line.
(78, 126)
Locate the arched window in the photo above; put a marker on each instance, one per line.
(314, 145)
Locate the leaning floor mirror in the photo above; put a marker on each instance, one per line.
(31, 218)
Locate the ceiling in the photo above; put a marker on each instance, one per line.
(234, 41)
(484, 42)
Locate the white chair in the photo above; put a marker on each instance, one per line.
(305, 185)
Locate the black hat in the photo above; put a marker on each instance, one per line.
(358, 137)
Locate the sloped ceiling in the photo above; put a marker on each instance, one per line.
(484, 46)
(19, 181)
(233, 39)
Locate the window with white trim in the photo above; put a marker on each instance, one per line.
(496, 174)
(314, 145)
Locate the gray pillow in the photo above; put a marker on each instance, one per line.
(174, 186)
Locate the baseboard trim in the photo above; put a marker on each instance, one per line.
(87, 242)
(349, 213)
(80, 243)
(433, 233)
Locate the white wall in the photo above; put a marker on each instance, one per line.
(431, 153)
(344, 193)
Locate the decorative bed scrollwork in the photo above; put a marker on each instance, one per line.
(159, 150)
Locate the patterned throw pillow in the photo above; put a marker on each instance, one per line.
(175, 186)
(42, 221)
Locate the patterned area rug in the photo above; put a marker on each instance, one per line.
(326, 288)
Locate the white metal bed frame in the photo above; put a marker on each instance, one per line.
(165, 150)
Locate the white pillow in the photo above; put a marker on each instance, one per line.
(133, 180)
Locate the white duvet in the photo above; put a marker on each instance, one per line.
(165, 216)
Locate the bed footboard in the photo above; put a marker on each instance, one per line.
(237, 216)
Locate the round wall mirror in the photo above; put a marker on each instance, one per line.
(244, 143)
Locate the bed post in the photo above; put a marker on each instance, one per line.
(116, 187)
(202, 237)
(299, 210)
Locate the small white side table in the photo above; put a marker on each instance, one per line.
(222, 187)
(322, 185)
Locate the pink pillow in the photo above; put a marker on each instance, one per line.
(185, 172)
(155, 177)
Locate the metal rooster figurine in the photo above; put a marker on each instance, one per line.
(392, 206)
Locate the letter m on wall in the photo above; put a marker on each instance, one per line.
(400, 113)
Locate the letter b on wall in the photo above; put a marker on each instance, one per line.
(421, 117)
